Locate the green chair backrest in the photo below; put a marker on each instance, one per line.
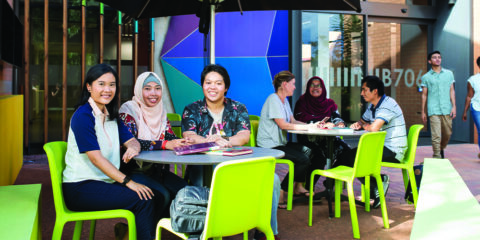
(56, 161)
(175, 117)
(254, 117)
(369, 154)
(413, 134)
(240, 197)
(253, 133)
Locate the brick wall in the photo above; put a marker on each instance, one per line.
(387, 50)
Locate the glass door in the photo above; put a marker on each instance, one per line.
(397, 53)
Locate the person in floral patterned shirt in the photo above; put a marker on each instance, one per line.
(219, 119)
(145, 117)
(215, 118)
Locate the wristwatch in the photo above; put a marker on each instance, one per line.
(126, 180)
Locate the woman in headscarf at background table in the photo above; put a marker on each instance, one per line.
(146, 119)
(314, 106)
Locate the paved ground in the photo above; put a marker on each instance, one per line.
(293, 224)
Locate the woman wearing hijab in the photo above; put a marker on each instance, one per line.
(314, 106)
(146, 118)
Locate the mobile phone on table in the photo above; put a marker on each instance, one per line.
(325, 119)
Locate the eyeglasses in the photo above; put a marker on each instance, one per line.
(316, 85)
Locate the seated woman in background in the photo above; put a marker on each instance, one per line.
(275, 119)
(91, 179)
(219, 119)
(146, 119)
(314, 106)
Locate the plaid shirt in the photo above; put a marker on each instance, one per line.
(389, 111)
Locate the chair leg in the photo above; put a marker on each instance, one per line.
(175, 169)
(132, 228)
(290, 181)
(92, 229)
(353, 210)
(78, 230)
(338, 192)
(366, 190)
(58, 229)
(245, 235)
(290, 186)
(310, 200)
(405, 174)
(383, 203)
(159, 233)
(413, 185)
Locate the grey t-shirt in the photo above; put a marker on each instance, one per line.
(269, 134)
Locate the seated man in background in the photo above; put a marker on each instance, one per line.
(383, 114)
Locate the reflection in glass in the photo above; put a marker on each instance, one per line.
(408, 2)
(333, 50)
(397, 53)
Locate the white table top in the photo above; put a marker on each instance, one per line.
(329, 132)
(169, 157)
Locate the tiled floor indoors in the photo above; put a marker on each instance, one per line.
(293, 224)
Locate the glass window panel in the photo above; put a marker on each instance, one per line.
(37, 87)
(333, 50)
(397, 53)
(408, 2)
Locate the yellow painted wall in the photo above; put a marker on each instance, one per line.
(11, 138)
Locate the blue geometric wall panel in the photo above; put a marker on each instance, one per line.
(280, 31)
(252, 47)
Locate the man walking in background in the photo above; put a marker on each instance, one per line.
(439, 96)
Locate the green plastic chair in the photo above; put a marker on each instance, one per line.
(367, 163)
(56, 161)
(254, 117)
(178, 133)
(175, 117)
(407, 164)
(253, 142)
(237, 206)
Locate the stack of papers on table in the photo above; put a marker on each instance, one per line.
(234, 151)
(196, 148)
(331, 130)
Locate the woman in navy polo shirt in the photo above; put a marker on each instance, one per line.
(91, 179)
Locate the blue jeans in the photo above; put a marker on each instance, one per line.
(92, 195)
(275, 200)
(164, 188)
(195, 175)
(476, 120)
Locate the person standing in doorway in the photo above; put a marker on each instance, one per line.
(473, 99)
(439, 96)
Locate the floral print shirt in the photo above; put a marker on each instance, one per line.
(196, 118)
(147, 145)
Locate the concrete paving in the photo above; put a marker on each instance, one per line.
(294, 224)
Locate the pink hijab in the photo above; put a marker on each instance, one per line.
(309, 108)
(151, 121)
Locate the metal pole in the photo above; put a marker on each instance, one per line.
(64, 72)
(212, 34)
(100, 54)
(45, 72)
